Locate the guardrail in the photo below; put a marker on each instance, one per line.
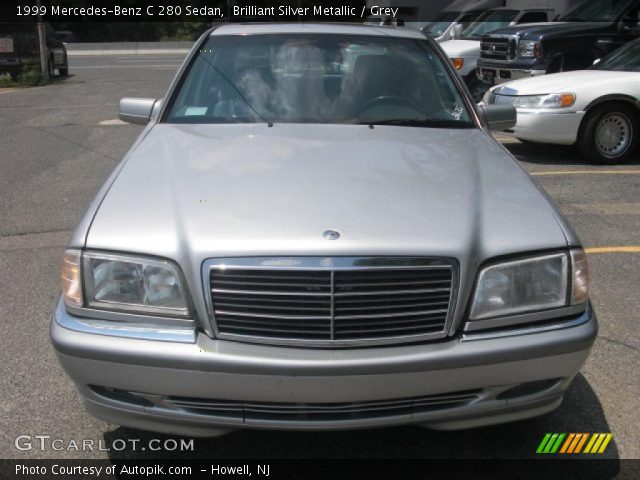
(127, 48)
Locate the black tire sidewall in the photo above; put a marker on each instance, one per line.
(587, 141)
(51, 67)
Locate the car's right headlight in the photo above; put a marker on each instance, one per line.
(123, 283)
(531, 284)
(529, 49)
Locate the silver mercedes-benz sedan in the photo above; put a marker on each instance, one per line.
(316, 230)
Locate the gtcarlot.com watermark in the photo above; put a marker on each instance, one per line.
(44, 442)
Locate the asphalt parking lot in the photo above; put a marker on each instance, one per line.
(58, 144)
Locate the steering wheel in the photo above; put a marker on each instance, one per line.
(387, 99)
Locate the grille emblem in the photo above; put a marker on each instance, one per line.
(331, 234)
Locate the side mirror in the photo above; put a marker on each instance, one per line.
(456, 31)
(498, 117)
(624, 25)
(597, 61)
(136, 110)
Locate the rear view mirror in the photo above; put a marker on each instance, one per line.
(498, 117)
(136, 110)
(456, 31)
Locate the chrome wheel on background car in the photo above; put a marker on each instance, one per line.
(609, 133)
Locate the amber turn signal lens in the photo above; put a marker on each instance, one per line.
(580, 277)
(70, 278)
(567, 100)
(458, 63)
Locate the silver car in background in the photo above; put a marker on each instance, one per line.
(316, 230)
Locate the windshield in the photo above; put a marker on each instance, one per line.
(442, 22)
(626, 59)
(318, 78)
(595, 11)
(488, 22)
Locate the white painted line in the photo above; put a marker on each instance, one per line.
(98, 67)
(81, 53)
(140, 60)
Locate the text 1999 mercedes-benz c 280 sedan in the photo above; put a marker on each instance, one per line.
(316, 230)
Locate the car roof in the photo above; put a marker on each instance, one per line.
(326, 28)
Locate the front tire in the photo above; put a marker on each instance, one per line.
(609, 134)
(51, 68)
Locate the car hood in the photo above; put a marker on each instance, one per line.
(536, 30)
(569, 82)
(461, 48)
(244, 190)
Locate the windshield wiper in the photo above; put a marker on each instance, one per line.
(420, 122)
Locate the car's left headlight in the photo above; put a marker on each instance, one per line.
(556, 100)
(124, 283)
(531, 284)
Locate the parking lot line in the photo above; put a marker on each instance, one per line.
(630, 249)
(585, 172)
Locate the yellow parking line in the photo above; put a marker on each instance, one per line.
(585, 172)
(631, 249)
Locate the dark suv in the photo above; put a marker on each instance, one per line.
(591, 30)
(19, 47)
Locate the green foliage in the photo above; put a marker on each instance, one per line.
(31, 75)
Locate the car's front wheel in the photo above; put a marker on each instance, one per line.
(51, 68)
(609, 134)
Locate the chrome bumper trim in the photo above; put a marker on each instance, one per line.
(123, 329)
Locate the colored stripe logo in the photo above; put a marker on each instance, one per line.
(573, 443)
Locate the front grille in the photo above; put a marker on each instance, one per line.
(498, 48)
(247, 411)
(332, 304)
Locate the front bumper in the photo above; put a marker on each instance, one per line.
(211, 386)
(496, 75)
(545, 126)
